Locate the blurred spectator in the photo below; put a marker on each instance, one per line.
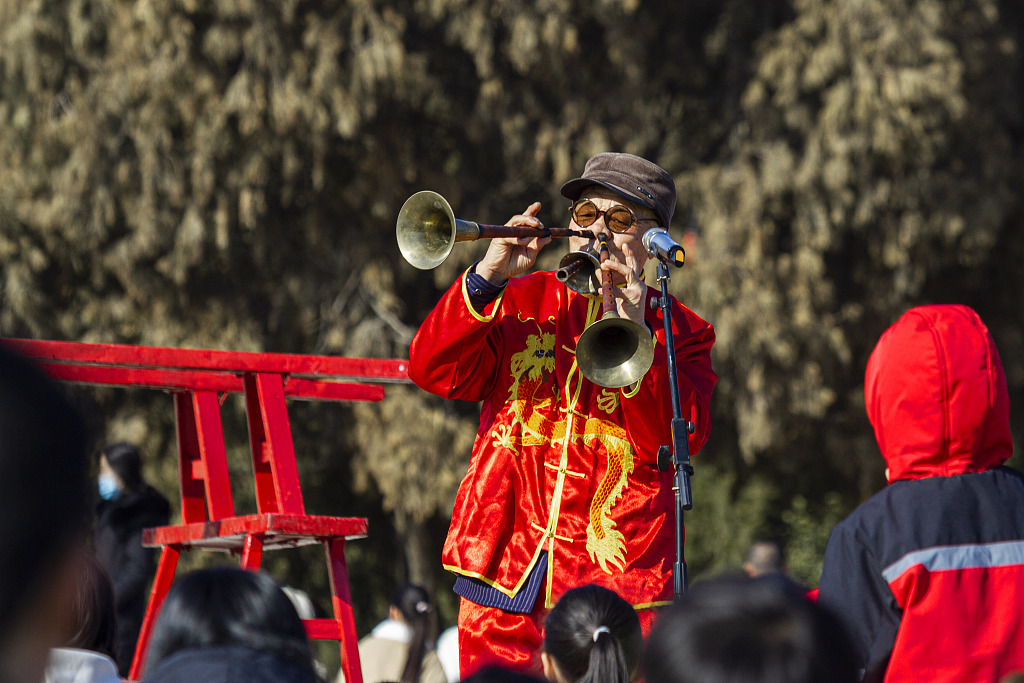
(765, 557)
(929, 572)
(738, 630)
(88, 654)
(305, 608)
(127, 506)
(44, 509)
(766, 562)
(301, 601)
(398, 648)
(228, 625)
(591, 636)
(448, 653)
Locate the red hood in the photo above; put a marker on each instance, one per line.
(936, 395)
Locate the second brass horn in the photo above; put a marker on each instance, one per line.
(578, 270)
(613, 352)
(427, 230)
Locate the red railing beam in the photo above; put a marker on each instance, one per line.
(368, 369)
(205, 380)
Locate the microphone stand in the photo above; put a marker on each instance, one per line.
(678, 454)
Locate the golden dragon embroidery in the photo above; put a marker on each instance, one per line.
(532, 370)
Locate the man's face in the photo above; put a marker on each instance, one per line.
(620, 243)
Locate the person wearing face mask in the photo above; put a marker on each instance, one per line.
(563, 487)
(127, 505)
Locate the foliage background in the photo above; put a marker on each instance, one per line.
(227, 175)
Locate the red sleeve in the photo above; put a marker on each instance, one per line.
(455, 351)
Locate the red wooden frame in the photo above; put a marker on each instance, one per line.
(197, 378)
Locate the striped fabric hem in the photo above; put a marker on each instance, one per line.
(480, 593)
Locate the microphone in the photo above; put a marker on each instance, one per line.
(659, 244)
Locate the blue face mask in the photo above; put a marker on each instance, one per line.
(109, 490)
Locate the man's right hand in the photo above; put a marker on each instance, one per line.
(507, 257)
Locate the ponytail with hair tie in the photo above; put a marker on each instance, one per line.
(573, 642)
(414, 603)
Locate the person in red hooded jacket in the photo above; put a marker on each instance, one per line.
(928, 574)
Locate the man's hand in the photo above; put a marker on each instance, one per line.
(629, 300)
(507, 257)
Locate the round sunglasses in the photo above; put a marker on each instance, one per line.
(618, 218)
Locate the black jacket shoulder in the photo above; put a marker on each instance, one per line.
(134, 510)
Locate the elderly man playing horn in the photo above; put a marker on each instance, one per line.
(563, 487)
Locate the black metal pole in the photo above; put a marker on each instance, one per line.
(678, 454)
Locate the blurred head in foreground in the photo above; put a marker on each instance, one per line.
(228, 624)
(737, 630)
(44, 508)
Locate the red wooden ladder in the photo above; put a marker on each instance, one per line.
(197, 379)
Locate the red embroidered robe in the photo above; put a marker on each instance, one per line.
(560, 464)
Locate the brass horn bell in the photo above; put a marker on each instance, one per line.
(613, 351)
(427, 229)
